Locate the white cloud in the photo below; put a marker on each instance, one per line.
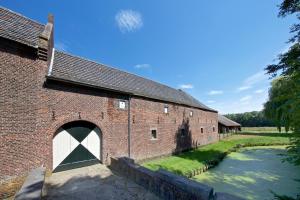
(247, 103)
(186, 86)
(253, 80)
(259, 91)
(142, 66)
(211, 101)
(215, 92)
(244, 88)
(129, 20)
(61, 46)
(246, 98)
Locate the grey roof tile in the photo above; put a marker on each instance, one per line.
(18, 28)
(227, 122)
(78, 70)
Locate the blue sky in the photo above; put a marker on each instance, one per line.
(214, 50)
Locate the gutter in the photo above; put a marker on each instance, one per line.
(51, 63)
(129, 127)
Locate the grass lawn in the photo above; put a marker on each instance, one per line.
(195, 159)
(262, 130)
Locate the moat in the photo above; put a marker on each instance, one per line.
(252, 173)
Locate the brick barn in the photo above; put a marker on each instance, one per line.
(63, 111)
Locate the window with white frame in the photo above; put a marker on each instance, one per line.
(122, 104)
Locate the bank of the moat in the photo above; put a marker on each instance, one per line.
(253, 172)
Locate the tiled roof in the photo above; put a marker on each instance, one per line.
(81, 71)
(70, 68)
(18, 28)
(227, 122)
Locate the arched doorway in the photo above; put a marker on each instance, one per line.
(76, 144)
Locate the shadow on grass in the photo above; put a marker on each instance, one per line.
(190, 160)
(168, 168)
(201, 156)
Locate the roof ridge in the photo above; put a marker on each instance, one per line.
(149, 88)
(115, 68)
(19, 14)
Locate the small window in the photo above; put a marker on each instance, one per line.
(214, 129)
(166, 109)
(191, 113)
(201, 130)
(122, 104)
(153, 135)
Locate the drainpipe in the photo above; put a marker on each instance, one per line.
(129, 128)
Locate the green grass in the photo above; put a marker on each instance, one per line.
(195, 159)
(262, 129)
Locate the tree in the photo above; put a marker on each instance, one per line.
(251, 119)
(283, 106)
(279, 105)
(289, 7)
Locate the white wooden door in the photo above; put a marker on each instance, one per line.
(76, 143)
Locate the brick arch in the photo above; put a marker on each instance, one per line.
(58, 123)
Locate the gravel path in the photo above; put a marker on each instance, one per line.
(93, 182)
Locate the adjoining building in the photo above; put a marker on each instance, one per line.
(63, 111)
(226, 125)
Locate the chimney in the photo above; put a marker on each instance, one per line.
(46, 41)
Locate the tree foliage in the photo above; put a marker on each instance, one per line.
(283, 106)
(251, 119)
(288, 65)
(289, 7)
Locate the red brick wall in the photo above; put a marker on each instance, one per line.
(32, 109)
(71, 103)
(147, 115)
(19, 89)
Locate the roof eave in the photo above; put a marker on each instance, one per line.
(17, 40)
(50, 77)
(228, 124)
